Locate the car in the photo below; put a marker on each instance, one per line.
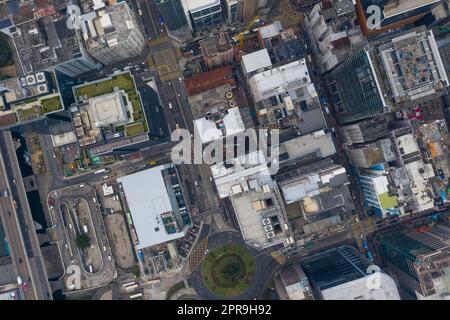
(181, 79)
(25, 286)
(196, 183)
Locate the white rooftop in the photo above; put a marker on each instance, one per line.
(232, 124)
(280, 80)
(317, 142)
(147, 198)
(309, 185)
(198, 5)
(407, 143)
(360, 290)
(271, 30)
(419, 174)
(252, 166)
(108, 109)
(256, 61)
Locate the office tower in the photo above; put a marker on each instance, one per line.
(172, 12)
(419, 259)
(343, 274)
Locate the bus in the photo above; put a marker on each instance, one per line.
(132, 287)
(128, 284)
(135, 296)
(130, 221)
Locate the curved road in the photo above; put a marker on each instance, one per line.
(265, 268)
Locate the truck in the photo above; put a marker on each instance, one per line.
(132, 287)
(141, 255)
(365, 244)
(369, 256)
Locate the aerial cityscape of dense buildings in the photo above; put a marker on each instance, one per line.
(224, 149)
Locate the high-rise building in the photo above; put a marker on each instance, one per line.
(203, 14)
(419, 259)
(217, 51)
(46, 43)
(172, 12)
(356, 90)
(111, 33)
(343, 274)
(367, 131)
(248, 9)
(333, 32)
(375, 188)
(231, 10)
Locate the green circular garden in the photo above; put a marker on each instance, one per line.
(228, 270)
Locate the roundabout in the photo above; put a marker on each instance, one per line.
(244, 279)
(228, 270)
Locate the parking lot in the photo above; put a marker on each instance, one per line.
(120, 240)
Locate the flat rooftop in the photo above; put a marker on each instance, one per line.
(199, 5)
(413, 65)
(256, 61)
(359, 290)
(318, 144)
(280, 80)
(45, 42)
(108, 109)
(220, 125)
(147, 198)
(110, 26)
(313, 184)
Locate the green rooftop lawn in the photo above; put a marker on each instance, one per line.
(123, 81)
(30, 113)
(134, 129)
(52, 104)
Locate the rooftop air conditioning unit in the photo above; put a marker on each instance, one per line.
(270, 235)
(40, 77)
(268, 228)
(265, 222)
(31, 80)
(42, 88)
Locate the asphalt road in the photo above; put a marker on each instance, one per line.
(22, 238)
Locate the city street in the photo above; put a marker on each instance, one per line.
(19, 224)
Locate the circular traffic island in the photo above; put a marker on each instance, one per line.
(228, 270)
